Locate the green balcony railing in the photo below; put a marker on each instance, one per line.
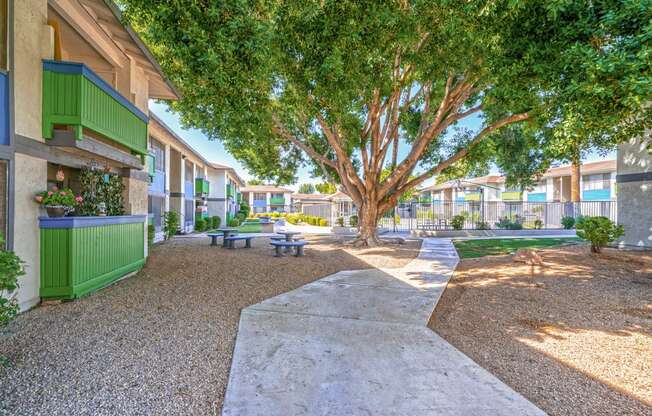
(230, 191)
(277, 200)
(511, 196)
(472, 197)
(202, 187)
(425, 200)
(82, 254)
(73, 95)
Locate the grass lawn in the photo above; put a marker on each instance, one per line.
(468, 249)
(250, 228)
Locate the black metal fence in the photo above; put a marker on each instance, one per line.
(441, 215)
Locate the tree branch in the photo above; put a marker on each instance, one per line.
(462, 153)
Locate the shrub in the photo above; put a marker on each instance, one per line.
(599, 231)
(200, 224)
(234, 222)
(567, 222)
(215, 222)
(458, 221)
(340, 221)
(481, 225)
(580, 220)
(151, 232)
(506, 224)
(240, 216)
(170, 224)
(11, 268)
(353, 220)
(244, 208)
(538, 224)
(323, 222)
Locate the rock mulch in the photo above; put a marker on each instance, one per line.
(159, 343)
(573, 335)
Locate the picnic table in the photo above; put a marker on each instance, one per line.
(289, 235)
(226, 232)
(281, 246)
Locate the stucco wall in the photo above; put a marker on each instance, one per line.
(31, 44)
(31, 175)
(635, 197)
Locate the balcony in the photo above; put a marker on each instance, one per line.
(4, 108)
(261, 203)
(425, 200)
(277, 200)
(73, 95)
(511, 196)
(472, 197)
(202, 187)
(230, 191)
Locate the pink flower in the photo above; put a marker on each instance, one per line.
(79, 199)
(62, 193)
(50, 193)
(38, 198)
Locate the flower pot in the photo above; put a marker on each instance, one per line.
(56, 211)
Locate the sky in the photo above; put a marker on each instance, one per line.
(214, 151)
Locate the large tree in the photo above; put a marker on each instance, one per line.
(339, 84)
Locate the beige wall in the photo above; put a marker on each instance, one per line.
(31, 175)
(31, 38)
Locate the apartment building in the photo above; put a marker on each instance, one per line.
(267, 198)
(597, 183)
(225, 193)
(75, 83)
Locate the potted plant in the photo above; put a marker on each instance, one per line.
(58, 202)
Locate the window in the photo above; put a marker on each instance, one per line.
(3, 35)
(189, 173)
(596, 182)
(4, 174)
(540, 187)
(159, 153)
(156, 204)
(260, 196)
(190, 211)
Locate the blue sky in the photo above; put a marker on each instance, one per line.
(214, 151)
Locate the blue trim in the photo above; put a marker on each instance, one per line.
(82, 222)
(597, 195)
(4, 108)
(157, 185)
(64, 67)
(536, 197)
(260, 203)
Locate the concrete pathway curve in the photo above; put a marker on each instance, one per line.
(356, 343)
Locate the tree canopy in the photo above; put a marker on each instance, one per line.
(326, 188)
(306, 188)
(338, 83)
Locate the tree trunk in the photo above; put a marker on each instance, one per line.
(368, 222)
(575, 178)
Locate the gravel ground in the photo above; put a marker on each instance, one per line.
(159, 343)
(574, 335)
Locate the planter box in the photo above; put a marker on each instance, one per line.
(82, 254)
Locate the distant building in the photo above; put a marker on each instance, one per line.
(597, 183)
(225, 193)
(267, 198)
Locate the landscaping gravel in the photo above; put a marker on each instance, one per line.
(574, 335)
(160, 342)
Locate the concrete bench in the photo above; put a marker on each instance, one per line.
(230, 241)
(280, 245)
(214, 237)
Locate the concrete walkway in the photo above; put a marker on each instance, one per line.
(356, 343)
